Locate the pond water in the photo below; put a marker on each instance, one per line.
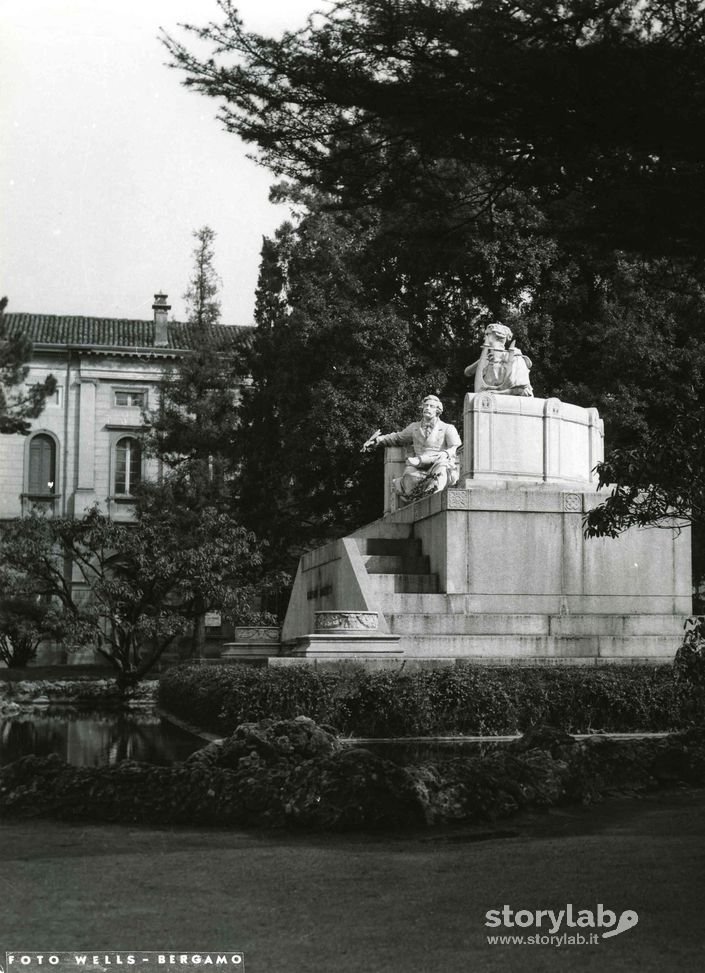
(92, 738)
(406, 752)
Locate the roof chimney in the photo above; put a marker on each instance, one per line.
(161, 310)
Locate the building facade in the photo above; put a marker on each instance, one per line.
(84, 449)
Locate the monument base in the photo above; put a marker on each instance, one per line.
(500, 571)
(498, 576)
(350, 647)
(252, 642)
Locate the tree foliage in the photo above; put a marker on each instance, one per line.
(330, 362)
(202, 303)
(593, 108)
(196, 435)
(195, 430)
(660, 483)
(129, 589)
(18, 403)
(537, 162)
(25, 622)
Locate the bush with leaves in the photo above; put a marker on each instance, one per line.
(689, 663)
(25, 622)
(460, 700)
(139, 585)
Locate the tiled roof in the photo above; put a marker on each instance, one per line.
(55, 329)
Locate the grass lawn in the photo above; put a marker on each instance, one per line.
(348, 904)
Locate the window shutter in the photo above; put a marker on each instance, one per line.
(42, 466)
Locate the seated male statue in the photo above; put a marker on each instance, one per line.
(433, 464)
(499, 369)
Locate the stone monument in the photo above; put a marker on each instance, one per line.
(501, 369)
(489, 562)
(430, 464)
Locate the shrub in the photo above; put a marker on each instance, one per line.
(689, 663)
(296, 774)
(462, 700)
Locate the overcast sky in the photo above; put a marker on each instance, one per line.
(108, 164)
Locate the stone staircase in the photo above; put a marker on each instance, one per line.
(397, 566)
(406, 590)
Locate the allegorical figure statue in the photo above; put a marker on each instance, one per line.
(433, 465)
(501, 369)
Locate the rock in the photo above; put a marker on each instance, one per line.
(208, 756)
(354, 788)
(544, 737)
(272, 741)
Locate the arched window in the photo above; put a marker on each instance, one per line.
(128, 465)
(41, 481)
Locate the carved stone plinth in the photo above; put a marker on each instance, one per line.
(347, 621)
(258, 634)
(253, 642)
(344, 645)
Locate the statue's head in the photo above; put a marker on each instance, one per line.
(431, 406)
(498, 334)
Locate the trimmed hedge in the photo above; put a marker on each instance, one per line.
(459, 700)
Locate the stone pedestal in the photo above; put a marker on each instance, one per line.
(351, 635)
(253, 642)
(514, 439)
(497, 570)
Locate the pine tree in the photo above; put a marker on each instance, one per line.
(196, 436)
(202, 303)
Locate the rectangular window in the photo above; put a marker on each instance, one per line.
(132, 398)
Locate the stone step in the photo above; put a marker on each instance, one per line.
(441, 623)
(346, 645)
(385, 584)
(592, 649)
(383, 528)
(389, 546)
(421, 602)
(395, 564)
(568, 626)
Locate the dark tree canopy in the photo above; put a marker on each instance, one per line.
(331, 360)
(538, 162)
(594, 108)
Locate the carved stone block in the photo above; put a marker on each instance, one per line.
(572, 503)
(346, 621)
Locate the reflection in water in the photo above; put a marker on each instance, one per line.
(408, 752)
(93, 739)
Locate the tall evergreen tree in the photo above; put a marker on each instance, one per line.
(330, 362)
(195, 433)
(202, 303)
